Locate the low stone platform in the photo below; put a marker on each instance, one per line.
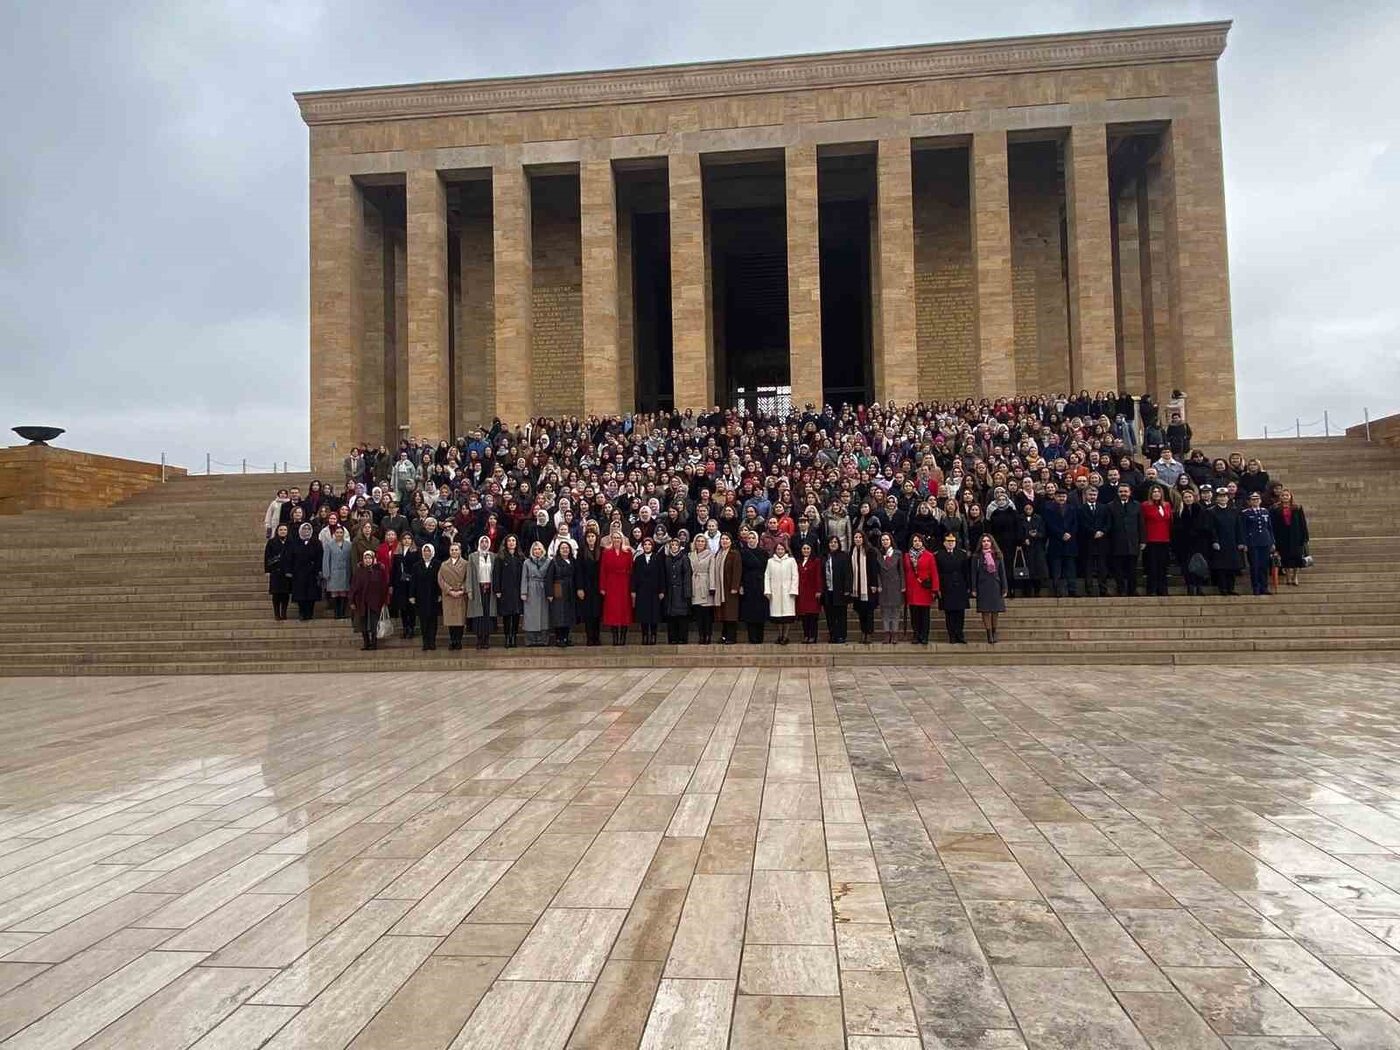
(875, 858)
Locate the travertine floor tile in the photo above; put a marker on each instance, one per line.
(789, 969)
(689, 1015)
(523, 1014)
(567, 944)
(710, 938)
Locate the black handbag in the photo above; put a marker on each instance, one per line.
(1019, 569)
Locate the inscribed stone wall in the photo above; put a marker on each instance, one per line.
(557, 296)
(1037, 268)
(944, 280)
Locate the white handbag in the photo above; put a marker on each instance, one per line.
(385, 627)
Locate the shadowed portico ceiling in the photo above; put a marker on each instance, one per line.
(1104, 48)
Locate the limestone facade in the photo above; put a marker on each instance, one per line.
(1027, 215)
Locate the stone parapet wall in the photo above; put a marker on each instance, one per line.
(38, 477)
(1385, 431)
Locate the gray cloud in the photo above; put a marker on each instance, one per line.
(153, 190)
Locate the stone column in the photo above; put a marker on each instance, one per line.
(804, 277)
(429, 371)
(991, 259)
(598, 226)
(1198, 269)
(337, 218)
(1127, 256)
(1092, 349)
(896, 356)
(692, 355)
(513, 273)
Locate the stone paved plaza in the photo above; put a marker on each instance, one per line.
(874, 859)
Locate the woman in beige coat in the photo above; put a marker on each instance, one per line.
(452, 580)
(702, 598)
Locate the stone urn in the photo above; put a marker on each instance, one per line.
(38, 435)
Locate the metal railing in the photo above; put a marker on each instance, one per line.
(1316, 428)
(241, 467)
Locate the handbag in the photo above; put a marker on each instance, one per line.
(1019, 569)
(1197, 567)
(385, 626)
(1307, 556)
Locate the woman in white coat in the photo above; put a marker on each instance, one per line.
(780, 588)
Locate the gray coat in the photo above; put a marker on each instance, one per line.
(891, 581)
(990, 588)
(532, 593)
(335, 566)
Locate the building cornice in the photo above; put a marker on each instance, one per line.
(894, 65)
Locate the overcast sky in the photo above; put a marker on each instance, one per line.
(153, 221)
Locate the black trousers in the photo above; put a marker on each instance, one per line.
(1095, 574)
(704, 621)
(754, 629)
(429, 623)
(1156, 559)
(408, 619)
(1224, 580)
(865, 613)
(510, 627)
(677, 630)
(368, 626)
(809, 626)
(918, 623)
(279, 605)
(454, 637)
(836, 622)
(729, 631)
(484, 626)
(1125, 574)
(591, 625)
(306, 610)
(953, 621)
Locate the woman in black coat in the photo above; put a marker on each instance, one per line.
(1033, 546)
(426, 595)
(401, 584)
(304, 556)
(506, 579)
(648, 590)
(590, 599)
(753, 605)
(279, 583)
(561, 591)
(1290, 527)
(836, 590)
(954, 586)
(1192, 535)
(676, 569)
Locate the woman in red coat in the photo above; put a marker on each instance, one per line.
(369, 593)
(615, 585)
(810, 584)
(1157, 540)
(920, 587)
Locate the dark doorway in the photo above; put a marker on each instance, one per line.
(749, 275)
(651, 310)
(845, 277)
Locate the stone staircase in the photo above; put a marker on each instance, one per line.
(170, 582)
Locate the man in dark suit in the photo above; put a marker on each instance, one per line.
(954, 582)
(1125, 540)
(1093, 544)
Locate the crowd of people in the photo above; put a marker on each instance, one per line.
(705, 521)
